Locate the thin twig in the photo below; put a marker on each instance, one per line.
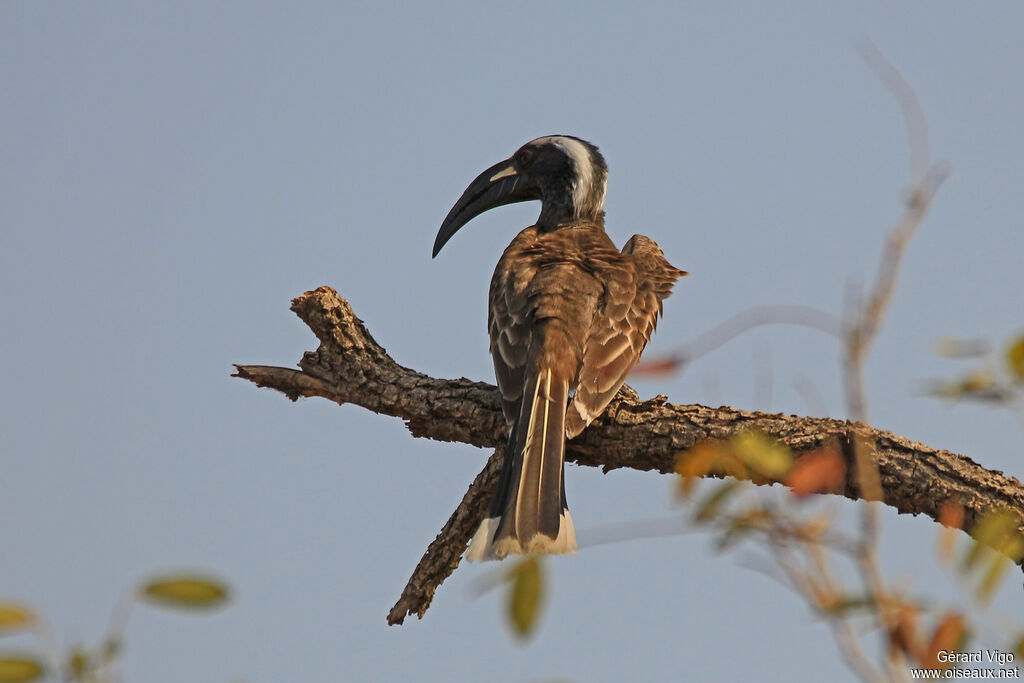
(863, 328)
(755, 316)
(926, 179)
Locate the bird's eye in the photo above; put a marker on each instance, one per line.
(524, 157)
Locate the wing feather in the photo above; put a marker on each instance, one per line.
(621, 328)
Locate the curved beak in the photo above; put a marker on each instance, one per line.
(499, 185)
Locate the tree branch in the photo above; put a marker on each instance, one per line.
(351, 367)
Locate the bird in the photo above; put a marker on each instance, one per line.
(568, 317)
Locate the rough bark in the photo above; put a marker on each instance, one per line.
(350, 367)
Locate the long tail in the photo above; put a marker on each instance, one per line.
(529, 514)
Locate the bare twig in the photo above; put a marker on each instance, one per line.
(926, 178)
(863, 327)
(755, 316)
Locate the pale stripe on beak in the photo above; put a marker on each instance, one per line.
(504, 173)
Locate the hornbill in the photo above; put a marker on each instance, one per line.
(568, 315)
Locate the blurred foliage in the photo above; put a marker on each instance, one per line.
(996, 379)
(1015, 359)
(525, 595)
(757, 457)
(998, 546)
(804, 541)
(20, 668)
(188, 591)
(81, 664)
(15, 618)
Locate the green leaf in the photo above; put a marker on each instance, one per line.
(19, 669)
(737, 531)
(15, 618)
(525, 596)
(763, 454)
(709, 506)
(997, 529)
(998, 565)
(78, 662)
(1015, 359)
(851, 603)
(188, 591)
(997, 544)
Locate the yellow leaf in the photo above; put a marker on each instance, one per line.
(998, 544)
(15, 617)
(972, 555)
(997, 567)
(525, 596)
(763, 454)
(186, 591)
(695, 463)
(15, 669)
(997, 530)
(978, 382)
(1015, 358)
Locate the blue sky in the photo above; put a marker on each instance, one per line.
(174, 173)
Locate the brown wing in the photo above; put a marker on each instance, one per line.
(555, 277)
(635, 289)
(509, 325)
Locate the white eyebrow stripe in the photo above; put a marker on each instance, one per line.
(583, 186)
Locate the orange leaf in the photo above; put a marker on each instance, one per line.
(951, 517)
(15, 617)
(695, 463)
(820, 471)
(903, 634)
(665, 365)
(949, 635)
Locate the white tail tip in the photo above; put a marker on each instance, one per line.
(483, 547)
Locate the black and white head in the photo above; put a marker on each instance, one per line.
(568, 176)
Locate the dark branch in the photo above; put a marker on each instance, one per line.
(350, 367)
(443, 555)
